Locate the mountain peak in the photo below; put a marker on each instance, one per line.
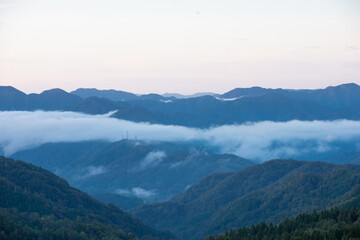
(57, 91)
(345, 86)
(114, 95)
(10, 91)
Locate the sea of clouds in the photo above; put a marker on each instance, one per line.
(20, 130)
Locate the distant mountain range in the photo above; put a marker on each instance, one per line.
(115, 172)
(346, 95)
(54, 99)
(115, 95)
(266, 192)
(36, 204)
(237, 106)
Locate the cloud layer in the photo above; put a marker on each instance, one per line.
(21, 130)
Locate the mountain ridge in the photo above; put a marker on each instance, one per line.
(258, 104)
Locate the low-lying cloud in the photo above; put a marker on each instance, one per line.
(136, 192)
(21, 130)
(187, 160)
(92, 171)
(152, 159)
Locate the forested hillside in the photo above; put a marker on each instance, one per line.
(334, 223)
(266, 192)
(161, 168)
(36, 204)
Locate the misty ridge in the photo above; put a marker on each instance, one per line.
(259, 141)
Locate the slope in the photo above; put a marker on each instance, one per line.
(335, 223)
(266, 192)
(30, 189)
(153, 171)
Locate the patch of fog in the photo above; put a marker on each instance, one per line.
(189, 158)
(178, 164)
(108, 114)
(152, 159)
(91, 171)
(136, 192)
(229, 99)
(166, 101)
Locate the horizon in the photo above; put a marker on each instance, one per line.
(179, 93)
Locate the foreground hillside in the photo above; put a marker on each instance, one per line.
(36, 204)
(153, 171)
(267, 192)
(335, 223)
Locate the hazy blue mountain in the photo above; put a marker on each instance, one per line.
(344, 157)
(208, 111)
(54, 99)
(274, 105)
(179, 96)
(12, 99)
(95, 105)
(156, 97)
(345, 95)
(56, 156)
(30, 195)
(152, 171)
(136, 114)
(114, 95)
(248, 104)
(266, 192)
(123, 202)
(246, 92)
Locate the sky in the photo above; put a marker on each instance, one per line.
(184, 46)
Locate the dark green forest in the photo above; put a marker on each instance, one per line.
(332, 224)
(31, 225)
(267, 192)
(36, 204)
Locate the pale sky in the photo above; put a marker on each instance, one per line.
(182, 46)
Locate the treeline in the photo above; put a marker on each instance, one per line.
(24, 225)
(332, 224)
